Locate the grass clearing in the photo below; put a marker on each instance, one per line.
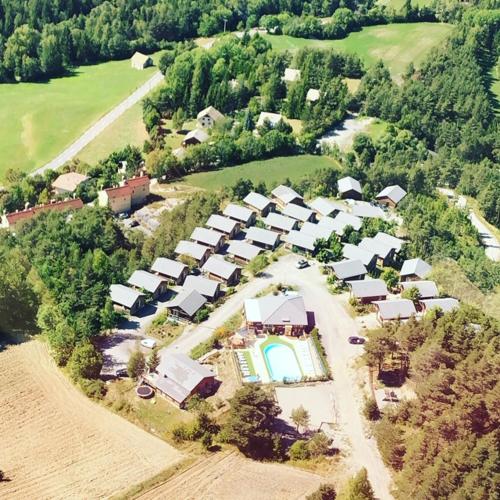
(271, 171)
(38, 120)
(396, 44)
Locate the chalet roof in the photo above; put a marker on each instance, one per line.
(243, 250)
(219, 267)
(221, 223)
(198, 134)
(301, 240)
(365, 209)
(312, 95)
(317, 231)
(207, 287)
(140, 58)
(124, 295)
(279, 221)
(297, 212)
(417, 267)
(394, 193)
(348, 269)
(387, 239)
(285, 194)
(263, 236)
(368, 288)
(188, 301)
(276, 310)
(194, 250)
(348, 184)
(395, 309)
(206, 236)
(238, 212)
(143, 279)
(380, 249)
(427, 289)
(272, 118)
(352, 252)
(341, 221)
(445, 304)
(212, 112)
(325, 207)
(291, 75)
(15, 217)
(137, 180)
(69, 182)
(168, 267)
(257, 200)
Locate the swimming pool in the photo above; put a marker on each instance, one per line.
(281, 363)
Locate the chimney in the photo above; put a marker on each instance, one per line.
(26, 205)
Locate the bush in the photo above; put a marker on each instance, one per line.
(201, 315)
(85, 362)
(371, 410)
(324, 492)
(299, 450)
(321, 351)
(95, 389)
(319, 444)
(136, 364)
(258, 264)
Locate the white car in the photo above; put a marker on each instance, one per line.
(149, 343)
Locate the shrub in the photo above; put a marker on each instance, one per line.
(326, 491)
(136, 364)
(85, 362)
(321, 351)
(299, 450)
(371, 410)
(201, 315)
(319, 444)
(95, 389)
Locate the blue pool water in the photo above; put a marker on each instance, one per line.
(281, 362)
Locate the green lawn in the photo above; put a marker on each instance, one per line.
(495, 84)
(271, 171)
(396, 44)
(398, 4)
(38, 120)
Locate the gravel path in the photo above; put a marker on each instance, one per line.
(104, 122)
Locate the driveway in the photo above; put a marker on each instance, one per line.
(335, 326)
(90, 134)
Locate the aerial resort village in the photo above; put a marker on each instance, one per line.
(249, 250)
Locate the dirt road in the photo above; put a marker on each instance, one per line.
(336, 326)
(227, 476)
(57, 444)
(104, 122)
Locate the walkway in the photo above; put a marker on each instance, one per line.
(104, 122)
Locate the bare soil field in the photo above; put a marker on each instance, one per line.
(226, 476)
(58, 444)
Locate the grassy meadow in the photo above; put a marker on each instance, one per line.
(396, 44)
(38, 120)
(271, 171)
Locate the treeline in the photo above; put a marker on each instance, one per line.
(56, 273)
(444, 443)
(447, 104)
(44, 38)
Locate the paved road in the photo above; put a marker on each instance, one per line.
(488, 239)
(104, 122)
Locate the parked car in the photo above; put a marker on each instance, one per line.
(122, 373)
(149, 343)
(301, 264)
(356, 340)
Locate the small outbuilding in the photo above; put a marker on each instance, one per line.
(126, 298)
(415, 270)
(67, 183)
(291, 75)
(240, 214)
(210, 289)
(272, 118)
(263, 238)
(392, 310)
(208, 237)
(152, 283)
(260, 203)
(312, 95)
(220, 270)
(140, 61)
(208, 117)
(280, 223)
(224, 225)
(349, 187)
(185, 304)
(194, 137)
(243, 252)
(368, 291)
(173, 271)
(391, 195)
